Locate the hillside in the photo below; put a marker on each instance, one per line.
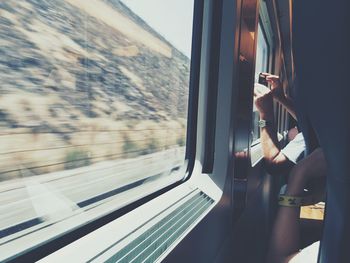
(85, 81)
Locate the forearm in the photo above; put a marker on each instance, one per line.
(273, 156)
(268, 138)
(288, 104)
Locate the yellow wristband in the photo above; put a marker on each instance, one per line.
(297, 201)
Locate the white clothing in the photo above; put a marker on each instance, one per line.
(294, 150)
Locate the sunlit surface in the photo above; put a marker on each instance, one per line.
(93, 104)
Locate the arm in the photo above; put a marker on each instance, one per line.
(278, 93)
(275, 160)
(288, 104)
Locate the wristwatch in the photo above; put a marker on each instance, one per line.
(263, 123)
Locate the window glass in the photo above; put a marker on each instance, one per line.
(262, 54)
(93, 104)
(261, 65)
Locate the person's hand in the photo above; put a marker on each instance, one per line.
(276, 86)
(263, 101)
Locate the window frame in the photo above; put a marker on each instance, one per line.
(38, 251)
(216, 223)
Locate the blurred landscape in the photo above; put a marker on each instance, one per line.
(85, 81)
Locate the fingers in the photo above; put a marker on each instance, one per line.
(272, 77)
(273, 83)
(268, 75)
(270, 81)
(273, 80)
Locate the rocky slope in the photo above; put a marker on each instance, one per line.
(77, 76)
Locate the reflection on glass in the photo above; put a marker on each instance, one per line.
(93, 102)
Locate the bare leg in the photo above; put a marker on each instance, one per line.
(285, 238)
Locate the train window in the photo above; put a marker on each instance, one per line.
(93, 110)
(262, 53)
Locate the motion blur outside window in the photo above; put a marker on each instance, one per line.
(93, 108)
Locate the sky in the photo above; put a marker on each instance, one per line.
(170, 18)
